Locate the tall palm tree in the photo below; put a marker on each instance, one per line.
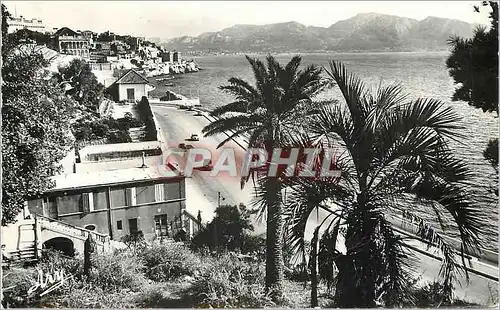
(269, 114)
(394, 157)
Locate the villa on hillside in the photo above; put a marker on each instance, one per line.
(131, 87)
(67, 41)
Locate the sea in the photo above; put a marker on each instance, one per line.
(421, 74)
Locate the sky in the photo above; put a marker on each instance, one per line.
(167, 19)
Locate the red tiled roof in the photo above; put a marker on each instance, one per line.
(132, 77)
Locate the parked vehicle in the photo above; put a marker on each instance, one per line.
(194, 137)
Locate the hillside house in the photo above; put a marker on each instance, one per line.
(67, 41)
(130, 87)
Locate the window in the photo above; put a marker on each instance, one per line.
(145, 194)
(118, 197)
(130, 94)
(119, 225)
(132, 226)
(161, 225)
(69, 204)
(172, 191)
(100, 199)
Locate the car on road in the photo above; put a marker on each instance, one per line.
(194, 137)
(198, 113)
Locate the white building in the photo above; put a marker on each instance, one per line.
(17, 23)
(131, 86)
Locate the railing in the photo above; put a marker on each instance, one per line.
(70, 230)
(191, 223)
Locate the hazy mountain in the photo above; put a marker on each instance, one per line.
(363, 32)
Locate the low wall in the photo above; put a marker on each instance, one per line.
(100, 66)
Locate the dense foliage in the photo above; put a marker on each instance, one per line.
(473, 64)
(115, 130)
(35, 128)
(228, 230)
(82, 84)
(146, 116)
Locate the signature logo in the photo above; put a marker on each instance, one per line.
(47, 282)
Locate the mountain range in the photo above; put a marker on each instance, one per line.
(363, 32)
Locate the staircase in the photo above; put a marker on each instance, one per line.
(72, 232)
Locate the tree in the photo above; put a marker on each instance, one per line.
(473, 64)
(84, 86)
(393, 154)
(268, 112)
(227, 230)
(35, 129)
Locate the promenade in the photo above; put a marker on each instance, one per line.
(202, 192)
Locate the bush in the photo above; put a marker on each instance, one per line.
(146, 116)
(113, 272)
(164, 262)
(53, 260)
(15, 284)
(228, 230)
(119, 136)
(227, 282)
(85, 296)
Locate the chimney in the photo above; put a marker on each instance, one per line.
(143, 161)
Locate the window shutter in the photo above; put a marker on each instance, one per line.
(159, 192)
(85, 203)
(91, 202)
(130, 196)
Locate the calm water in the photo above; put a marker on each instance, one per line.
(421, 74)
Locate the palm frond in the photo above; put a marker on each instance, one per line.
(353, 91)
(238, 122)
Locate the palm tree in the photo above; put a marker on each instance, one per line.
(393, 153)
(269, 114)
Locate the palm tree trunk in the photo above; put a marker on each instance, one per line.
(314, 268)
(274, 239)
(357, 269)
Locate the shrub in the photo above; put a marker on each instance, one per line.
(53, 260)
(113, 272)
(164, 262)
(86, 296)
(119, 136)
(227, 230)
(227, 282)
(15, 284)
(146, 116)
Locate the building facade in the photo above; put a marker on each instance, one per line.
(18, 23)
(69, 42)
(118, 203)
(131, 87)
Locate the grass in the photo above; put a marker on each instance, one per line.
(168, 275)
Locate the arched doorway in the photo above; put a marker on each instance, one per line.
(62, 244)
